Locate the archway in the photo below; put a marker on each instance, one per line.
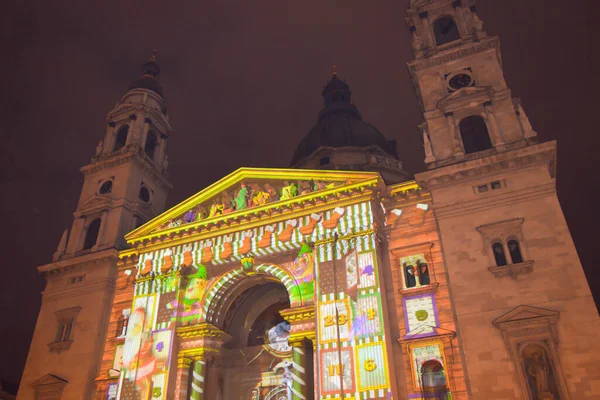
(257, 360)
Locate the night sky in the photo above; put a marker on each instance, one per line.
(242, 80)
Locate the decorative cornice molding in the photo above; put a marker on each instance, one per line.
(104, 257)
(124, 110)
(130, 153)
(470, 170)
(512, 270)
(455, 53)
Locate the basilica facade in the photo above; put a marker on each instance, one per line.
(342, 277)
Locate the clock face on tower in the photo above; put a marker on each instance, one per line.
(460, 80)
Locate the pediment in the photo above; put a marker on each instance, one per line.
(466, 94)
(49, 379)
(250, 188)
(94, 202)
(525, 313)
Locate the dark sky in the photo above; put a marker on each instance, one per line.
(242, 80)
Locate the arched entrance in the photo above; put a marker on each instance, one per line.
(257, 362)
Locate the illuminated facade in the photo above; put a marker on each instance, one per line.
(338, 278)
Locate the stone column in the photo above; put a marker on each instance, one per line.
(181, 380)
(198, 378)
(145, 129)
(133, 130)
(493, 124)
(458, 150)
(299, 389)
(460, 19)
(425, 20)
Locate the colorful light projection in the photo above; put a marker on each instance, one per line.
(415, 271)
(147, 348)
(352, 321)
(247, 195)
(278, 337)
(111, 391)
(428, 368)
(302, 268)
(420, 315)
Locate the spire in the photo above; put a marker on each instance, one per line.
(149, 79)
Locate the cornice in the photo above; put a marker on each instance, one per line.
(498, 163)
(105, 256)
(211, 229)
(130, 153)
(257, 216)
(123, 110)
(481, 204)
(104, 285)
(299, 314)
(455, 53)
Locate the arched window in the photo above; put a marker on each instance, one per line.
(409, 275)
(515, 251)
(499, 255)
(151, 142)
(474, 134)
(91, 235)
(144, 194)
(121, 138)
(432, 374)
(445, 30)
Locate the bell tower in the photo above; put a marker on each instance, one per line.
(457, 74)
(124, 186)
(524, 310)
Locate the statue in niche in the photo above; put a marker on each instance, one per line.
(539, 373)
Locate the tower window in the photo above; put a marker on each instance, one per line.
(121, 138)
(144, 194)
(474, 134)
(150, 145)
(325, 160)
(65, 322)
(106, 187)
(515, 251)
(445, 30)
(499, 255)
(91, 236)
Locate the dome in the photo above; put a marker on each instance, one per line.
(341, 125)
(149, 80)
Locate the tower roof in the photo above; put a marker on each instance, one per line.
(149, 79)
(340, 124)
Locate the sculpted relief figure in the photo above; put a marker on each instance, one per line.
(539, 373)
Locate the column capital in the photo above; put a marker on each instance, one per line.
(184, 362)
(299, 314)
(298, 339)
(203, 330)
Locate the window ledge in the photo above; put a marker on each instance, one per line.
(59, 347)
(512, 270)
(431, 288)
